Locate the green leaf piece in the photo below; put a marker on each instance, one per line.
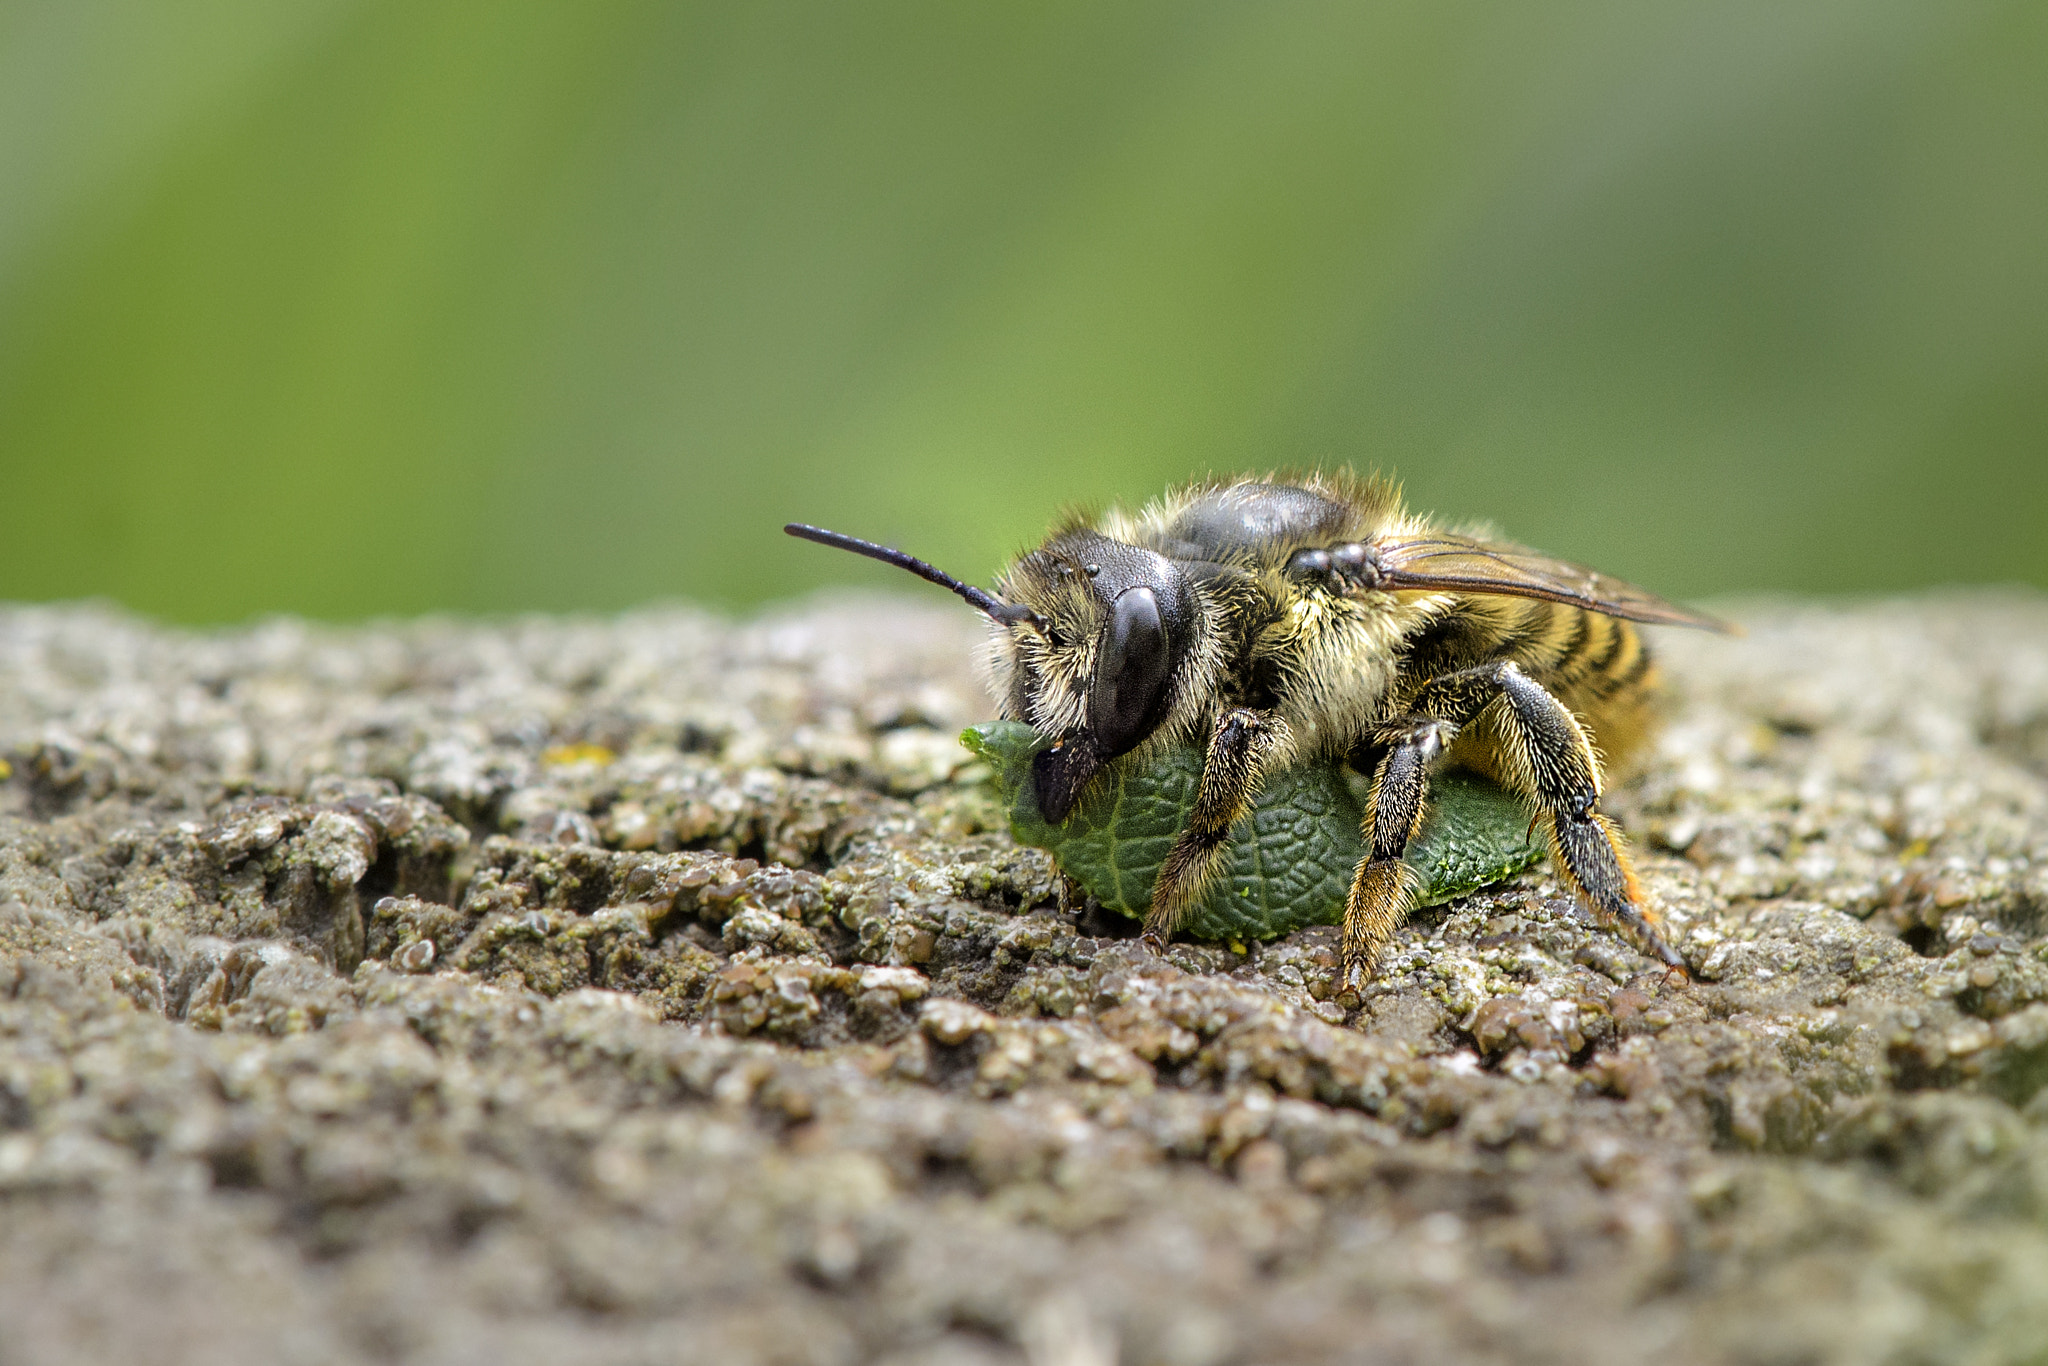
(1289, 862)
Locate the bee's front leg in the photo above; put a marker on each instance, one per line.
(1238, 749)
(1383, 885)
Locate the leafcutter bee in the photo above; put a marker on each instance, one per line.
(1315, 619)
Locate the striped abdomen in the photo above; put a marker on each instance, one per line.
(1596, 665)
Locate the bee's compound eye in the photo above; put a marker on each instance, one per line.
(1130, 673)
(1309, 563)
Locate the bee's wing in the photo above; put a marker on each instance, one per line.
(1461, 564)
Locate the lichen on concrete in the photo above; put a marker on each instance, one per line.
(666, 988)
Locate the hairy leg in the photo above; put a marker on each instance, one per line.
(1231, 773)
(1381, 888)
(1547, 757)
(1549, 752)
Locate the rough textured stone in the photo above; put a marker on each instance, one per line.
(666, 989)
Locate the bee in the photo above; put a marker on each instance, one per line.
(1315, 619)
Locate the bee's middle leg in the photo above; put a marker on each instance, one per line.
(1382, 886)
(1238, 749)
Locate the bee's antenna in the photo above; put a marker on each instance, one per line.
(980, 600)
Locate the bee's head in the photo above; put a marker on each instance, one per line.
(1092, 641)
(1101, 662)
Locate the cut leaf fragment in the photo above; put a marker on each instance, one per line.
(1289, 862)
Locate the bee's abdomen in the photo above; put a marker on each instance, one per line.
(1600, 667)
(1596, 665)
(1599, 655)
(1588, 660)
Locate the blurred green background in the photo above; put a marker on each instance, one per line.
(352, 307)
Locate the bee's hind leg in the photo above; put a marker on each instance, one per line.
(1238, 750)
(1383, 886)
(1556, 765)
